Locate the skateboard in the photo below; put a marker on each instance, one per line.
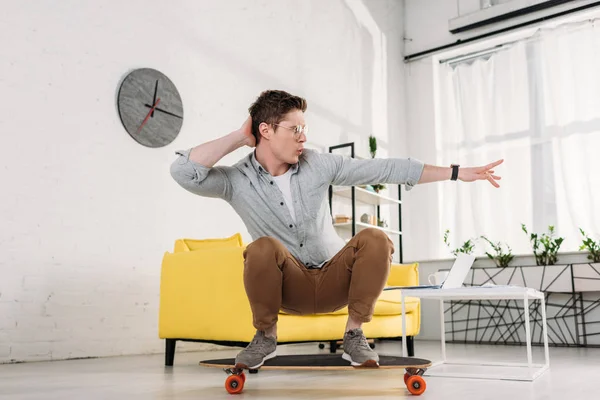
(413, 376)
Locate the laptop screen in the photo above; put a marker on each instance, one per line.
(459, 271)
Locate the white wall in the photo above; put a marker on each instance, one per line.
(87, 212)
(427, 22)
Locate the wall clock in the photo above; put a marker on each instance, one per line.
(150, 107)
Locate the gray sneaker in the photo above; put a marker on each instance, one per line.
(358, 351)
(257, 352)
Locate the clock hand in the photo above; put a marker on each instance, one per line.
(163, 111)
(154, 99)
(147, 116)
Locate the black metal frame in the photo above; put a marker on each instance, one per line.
(566, 313)
(353, 191)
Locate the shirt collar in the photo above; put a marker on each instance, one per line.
(259, 168)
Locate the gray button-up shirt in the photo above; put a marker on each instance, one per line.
(249, 189)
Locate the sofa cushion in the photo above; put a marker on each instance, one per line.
(182, 245)
(387, 304)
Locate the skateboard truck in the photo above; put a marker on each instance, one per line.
(238, 371)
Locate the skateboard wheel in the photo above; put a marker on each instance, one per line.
(416, 385)
(243, 376)
(234, 384)
(406, 376)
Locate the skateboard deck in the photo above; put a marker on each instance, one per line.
(415, 368)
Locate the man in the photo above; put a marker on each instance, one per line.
(296, 261)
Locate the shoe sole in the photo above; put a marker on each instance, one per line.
(267, 357)
(368, 363)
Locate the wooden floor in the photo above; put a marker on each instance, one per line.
(573, 375)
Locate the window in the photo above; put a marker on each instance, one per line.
(535, 103)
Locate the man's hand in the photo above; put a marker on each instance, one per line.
(246, 131)
(471, 174)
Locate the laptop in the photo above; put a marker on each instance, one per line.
(455, 277)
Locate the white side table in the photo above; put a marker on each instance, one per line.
(532, 371)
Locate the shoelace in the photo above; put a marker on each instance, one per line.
(261, 346)
(360, 341)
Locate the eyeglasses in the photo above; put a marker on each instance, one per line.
(298, 130)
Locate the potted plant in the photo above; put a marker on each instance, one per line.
(373, 146)
(467, 247)
(501, 257)
(373, 151)
(590, 245)
(545, 247)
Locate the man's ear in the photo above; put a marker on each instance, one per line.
(265, 130)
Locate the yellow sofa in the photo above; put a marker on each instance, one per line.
(202, 299)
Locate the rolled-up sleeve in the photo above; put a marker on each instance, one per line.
(201, 180)
(347, 171)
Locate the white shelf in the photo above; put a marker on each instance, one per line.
(361, 225)
(364, 196)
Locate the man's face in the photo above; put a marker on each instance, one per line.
(286, 143)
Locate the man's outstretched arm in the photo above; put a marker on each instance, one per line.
(346, 171)
(432, 173)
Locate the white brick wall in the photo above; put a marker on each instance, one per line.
(85, 212)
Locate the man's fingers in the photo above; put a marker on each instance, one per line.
(488, 168)
(492, 165)
(491, 178)
(492, 181)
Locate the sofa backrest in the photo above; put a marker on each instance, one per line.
(183, 245)
(404, 275)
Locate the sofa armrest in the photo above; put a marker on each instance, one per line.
(404, 275)
(202, 296)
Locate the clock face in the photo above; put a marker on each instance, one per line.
(150, 107)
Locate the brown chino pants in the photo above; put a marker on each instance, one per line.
(275, 280)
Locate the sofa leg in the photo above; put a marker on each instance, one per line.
(170, 352)
(410, 346)
(332, 346)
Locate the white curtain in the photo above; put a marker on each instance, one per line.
(536, 104)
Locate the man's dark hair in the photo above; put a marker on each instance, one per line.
(271, 106)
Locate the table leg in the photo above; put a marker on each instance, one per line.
(443, 330)
(527, 330)
(544, 331)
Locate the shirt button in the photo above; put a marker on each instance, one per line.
(301, 245)
(291, 226)
(281, 203)
(246, 164)
(271, 182)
